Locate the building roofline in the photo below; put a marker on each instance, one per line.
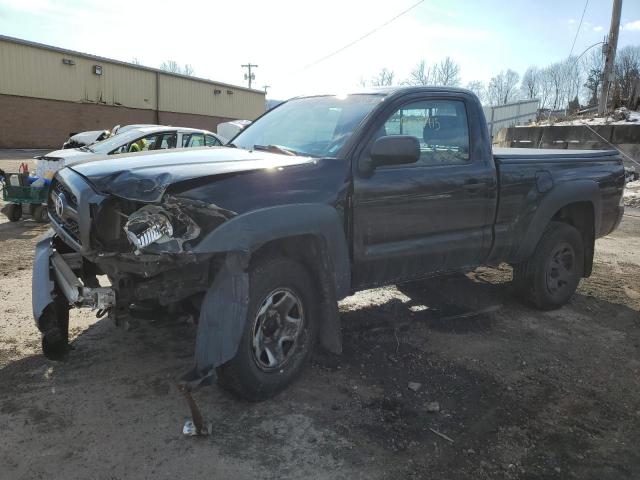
(89, 56)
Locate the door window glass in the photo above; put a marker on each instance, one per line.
(193, 140)
(439, 125)
(211, 141)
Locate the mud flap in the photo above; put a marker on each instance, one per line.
(222, 315)
(41, 284)
(50, 311)
(220, 325)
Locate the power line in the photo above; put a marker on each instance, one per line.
(335, 52)
(579, 25)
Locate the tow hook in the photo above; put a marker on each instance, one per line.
(187, 383)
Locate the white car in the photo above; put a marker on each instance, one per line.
(90, 137)
(154, 138)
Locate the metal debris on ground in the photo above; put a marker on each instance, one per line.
(433, 407)
(414, 386)
(442, 435)
(191, 430)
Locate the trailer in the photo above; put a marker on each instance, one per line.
(19, 195)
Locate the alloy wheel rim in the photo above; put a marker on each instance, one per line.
(560, 269)
(276, 328)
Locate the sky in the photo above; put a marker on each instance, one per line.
(286, 38)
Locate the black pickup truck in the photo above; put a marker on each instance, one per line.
(319, 198)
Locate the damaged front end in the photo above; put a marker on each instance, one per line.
(108, 253)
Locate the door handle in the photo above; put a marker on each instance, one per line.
(474, 186)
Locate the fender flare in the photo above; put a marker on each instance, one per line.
(247, 232)
(559, 196)
(224, 311)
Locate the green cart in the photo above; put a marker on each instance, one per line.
(17, 198)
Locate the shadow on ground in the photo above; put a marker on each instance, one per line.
(512, 400)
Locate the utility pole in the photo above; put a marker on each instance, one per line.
(612, 44)
(265, 87)
(249, 76)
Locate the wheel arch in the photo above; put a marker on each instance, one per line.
(312, 234)
(577, 203)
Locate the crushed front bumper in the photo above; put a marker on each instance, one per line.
(56, 274)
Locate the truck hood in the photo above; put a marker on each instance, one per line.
(146, 176)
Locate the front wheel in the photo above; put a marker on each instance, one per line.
(551, 276)
(279, 333)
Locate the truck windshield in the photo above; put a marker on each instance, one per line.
(314, 126)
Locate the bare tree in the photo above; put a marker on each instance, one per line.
(170, 66)
(593, 64)
(447, 73)
(627, 75)
(173, 67)
(546, 87)
(383, 79)
(531, 83)
(477, 87)
(502, 88)
(421, 74)
(573, 79)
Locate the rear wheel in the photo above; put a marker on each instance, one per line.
(13, 211)
(40, 214)
(551, 276)
(279, 334)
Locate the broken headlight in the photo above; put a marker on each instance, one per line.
(153, 224)
(147, 226)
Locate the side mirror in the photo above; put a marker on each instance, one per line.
(395, 150)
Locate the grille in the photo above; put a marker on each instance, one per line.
(59, 187)
(69, 225)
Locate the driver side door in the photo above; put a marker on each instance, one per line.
(435, 215)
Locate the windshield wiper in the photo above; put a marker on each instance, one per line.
(276, 149)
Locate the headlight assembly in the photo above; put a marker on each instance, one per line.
(147, 226)
(152, 224)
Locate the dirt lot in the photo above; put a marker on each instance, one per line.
(522, 394)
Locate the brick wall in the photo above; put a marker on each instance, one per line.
(27, 122)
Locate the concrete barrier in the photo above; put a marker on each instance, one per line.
(625, 137)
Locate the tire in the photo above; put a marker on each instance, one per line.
(13, 211)
(260, 369)
(40, 214)
(550, 277)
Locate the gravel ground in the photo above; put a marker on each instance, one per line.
(520, 394)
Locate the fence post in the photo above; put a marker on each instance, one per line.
(493, 112)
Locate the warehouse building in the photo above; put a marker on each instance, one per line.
(47, 93)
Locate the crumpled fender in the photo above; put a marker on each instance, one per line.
(224, 307)
(41, 283)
